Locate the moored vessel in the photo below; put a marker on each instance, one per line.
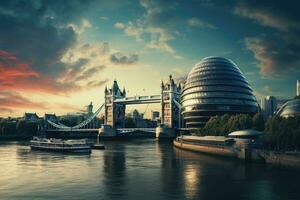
(59, 145)
(217, 145)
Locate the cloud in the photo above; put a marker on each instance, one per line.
(276, 58)
(274, 15)
(18, 76)
(97, 83)
(198, 23)
(34, 39)
(160, 24)
(81, 28)
(119, 25)
(119, 58)
(154, 27)
(14, 102)
(6, 111)
(157, 38)
(278, 51)
(95, 58)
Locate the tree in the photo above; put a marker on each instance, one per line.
(21, 124)
(258, 122)
(129, 123)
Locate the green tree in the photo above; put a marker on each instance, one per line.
(258, 122)
(21, 125)
(129, 123)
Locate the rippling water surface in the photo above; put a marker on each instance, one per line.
(137, 169)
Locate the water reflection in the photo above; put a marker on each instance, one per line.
(170, 172)
(138, 169)
(114, 170)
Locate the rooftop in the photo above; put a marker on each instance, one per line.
(247, 132)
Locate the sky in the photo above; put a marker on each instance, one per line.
(58, 56)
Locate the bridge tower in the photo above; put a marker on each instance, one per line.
(170, 114)
(114, 113)
(170, 111)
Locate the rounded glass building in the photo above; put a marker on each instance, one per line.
(215, 86)
(289, 109)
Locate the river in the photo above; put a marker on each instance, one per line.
(138, 170)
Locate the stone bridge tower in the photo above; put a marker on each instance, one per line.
(170, 113)
(114, 113)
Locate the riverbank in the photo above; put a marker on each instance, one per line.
(220, 151)
(289, 160)
(92, 135)
(14, 137)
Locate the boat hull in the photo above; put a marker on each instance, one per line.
(228, 152)
(84, 150)
(98, 146)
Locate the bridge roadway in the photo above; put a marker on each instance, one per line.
(121, 130)
(139, 99)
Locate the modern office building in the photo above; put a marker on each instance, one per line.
(138, 118)
(268, 106)
(154, 115)
(90, 109)
(215, 86)
(289, 109)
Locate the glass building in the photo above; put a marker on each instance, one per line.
(289, 109)
(215, 86)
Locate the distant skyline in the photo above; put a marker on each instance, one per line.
(58, 56)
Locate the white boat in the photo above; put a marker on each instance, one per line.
(59, 145)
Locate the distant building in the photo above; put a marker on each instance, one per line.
(90, 109)
(138, 118)
(269, 106)
(298, 88)
(50, 117)
(290, 109)
(154, 115)
(74, 117)
(31, 117)
(281, 102)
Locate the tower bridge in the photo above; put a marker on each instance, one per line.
(114, 106)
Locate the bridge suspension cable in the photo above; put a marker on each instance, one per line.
(80, 125)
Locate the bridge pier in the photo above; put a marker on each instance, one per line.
(107, 131)
(163, 132)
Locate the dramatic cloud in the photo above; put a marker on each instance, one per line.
(276, 58)
(18, 76)
(94, 58)
(279, 50)
(34, 38)
(159, 25)
(276, 16)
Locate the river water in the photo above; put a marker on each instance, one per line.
(137, 169)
